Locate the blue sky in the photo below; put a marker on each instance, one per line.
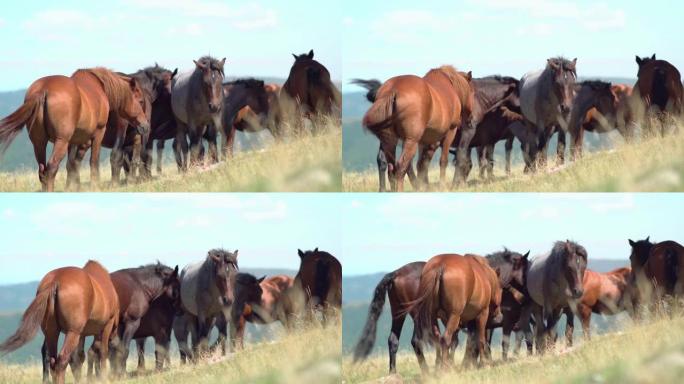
(39, 233)
(384, 232)
(509, 37)
(41, 38)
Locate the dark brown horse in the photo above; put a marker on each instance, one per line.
(73, 110)
(659, 84)
(245, 108)
(422, 112)
(310, 86)
(78, 302)
(658, 270)
(599, 107)
(457, 290)
(604, 294)
(158, 324)
(257, 301)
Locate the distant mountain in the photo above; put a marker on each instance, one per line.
(359, 148)
(357, 292)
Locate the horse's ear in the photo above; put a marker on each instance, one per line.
(653, 57)
(175, 271)
(631, 243)
(156, 65)
(469, 75)
(526, 255)
(132, 82)
(295, 56)
(638, 60)
(311, 54)
(316, 250)
(222, 63)
(174, 73)
(649, 236)
(262, 278)
(300, 253)
(236, 253)
(214, 257)
(199, 65)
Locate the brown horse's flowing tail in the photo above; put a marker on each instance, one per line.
(671, 269)
(367, 340)
(380, 113)
(11, 125)
(31, 320)
(426, 303)
(371, 86)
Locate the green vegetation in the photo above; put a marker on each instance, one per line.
(651, 352)
(311, 355)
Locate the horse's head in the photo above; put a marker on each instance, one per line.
(641, 61)
(605, 99)
(170, 281)
(248, 288)
(254, 95)
(137, 108)
(574, 265)
(564, 76)
(224, 265)
(510, 267)
(212, 81)
(640, 252)
(304, 56)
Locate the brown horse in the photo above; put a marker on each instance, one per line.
(457, 290)
(658, 270)
(158, 324)
(245, 107)
(257, 301)
(421, 111)
(73, 110)
(79, 302)
(310, 86)
(659, 84)
(604, 293)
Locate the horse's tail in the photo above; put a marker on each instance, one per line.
(671, 267)
(367, 340)
(381, 112)
(659, 92)
(426, 303)
(11, 125)
(31, 320)
(371, 85)
(322, 284)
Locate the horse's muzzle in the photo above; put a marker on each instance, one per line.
(577, 293)
(143, 129)
(213, 108)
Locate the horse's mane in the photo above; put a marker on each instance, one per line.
(502, 79)
(213, 63)
(247, 82)
(594, 84)
(115, 86)
(499, 257)
(558, 249)
(223, 252)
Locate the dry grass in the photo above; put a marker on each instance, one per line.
(652, 164)
(309, 356)
(308, 163)
(648, 353)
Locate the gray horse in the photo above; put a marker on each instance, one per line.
(554, 282)
(546, 100)
(196, 101)
(206, 294)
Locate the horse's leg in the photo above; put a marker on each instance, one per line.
(45, 361)
(408, 151)
(51, 342)
(229, 141)
(59, 150)
(210, 135)
(425, 153)
(71, 340)
(180, 330)
(180, 146)
(551, 321)
(569, 326)
(136, 158)
(77, 359)
(418, 348)
(79, 152)
(506, 329)
(584, 312)
(450, 329)
(222, 325)
(104, 347)
(463, 155)
(140, 347)
(447, 140)
(382, 169)
(91, 354)
(130, 328)
(162, 349)
(560, 148)
(160, 155)
(538, 316)
(71, 168)
(509, 149)
(95, 157)
(393, 341)
(39, 151)
(116, 156)
(481, 160)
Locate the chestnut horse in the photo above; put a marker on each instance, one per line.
(257, 301)
(604, 294)
(659, 84)
(658, 269)
(457, 290)
(79, 302)
(73, 110)
(421, 111)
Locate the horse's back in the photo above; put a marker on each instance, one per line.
(536, 276)
(189, 280)
(529, 85)
(179, 95)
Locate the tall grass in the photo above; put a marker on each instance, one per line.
(651, 352)
(311, 355)
(649, 164)
(305, 163)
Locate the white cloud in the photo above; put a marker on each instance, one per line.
(277, 211)
(623, 203)
(60, 24)
(409, 26)
(546, 212)
(346, 21)
(202, 221)
(9, 213)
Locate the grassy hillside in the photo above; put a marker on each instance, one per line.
(307, 356)
(306, 163)
(651, 352)
(650, 164)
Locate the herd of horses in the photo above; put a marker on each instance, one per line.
(449, 109)
(506, 289)
(96, 107)
(155, 300)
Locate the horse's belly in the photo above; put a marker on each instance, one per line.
(431, 136)
(93, 327)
